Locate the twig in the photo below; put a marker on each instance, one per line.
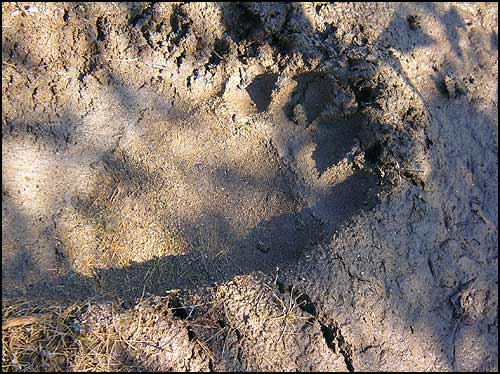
(123, 59)
(218, 55)
(24, 321)
(158, 66)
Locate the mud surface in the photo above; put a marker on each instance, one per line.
(298, 186)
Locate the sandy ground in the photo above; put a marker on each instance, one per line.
(290, 186)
